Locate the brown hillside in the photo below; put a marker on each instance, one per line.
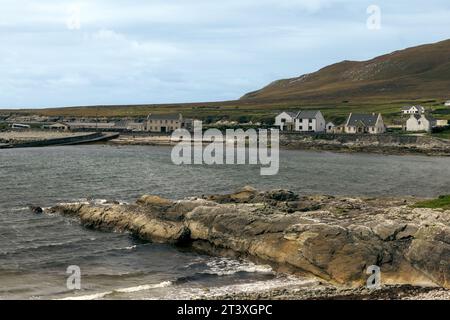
(413, 73)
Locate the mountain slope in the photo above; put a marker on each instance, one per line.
(414, 73)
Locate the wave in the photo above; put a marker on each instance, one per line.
(225, 267)
(250, 287)
(100, 295)
(92, 201)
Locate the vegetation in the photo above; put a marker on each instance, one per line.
(422, 71)
(262, 111)
(441, 202)
(443, 133)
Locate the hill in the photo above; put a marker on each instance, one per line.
(410, 74)
(418, 75)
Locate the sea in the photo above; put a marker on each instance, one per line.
(37, 252)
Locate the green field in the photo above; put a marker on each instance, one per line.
(243, 111)
(442, 202)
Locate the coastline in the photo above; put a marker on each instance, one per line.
(387, 144)
(376, 144)
(330, 239)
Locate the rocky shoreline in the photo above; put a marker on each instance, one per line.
(333, 239)
(389, 292)
(393, 144)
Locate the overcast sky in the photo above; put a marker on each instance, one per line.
(66, 53)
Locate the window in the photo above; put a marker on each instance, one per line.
(310, 121)
(310, 128)
(300, 128)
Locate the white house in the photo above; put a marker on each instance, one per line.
(330, 127)
(442, 123)
(447, 103)
(413, 110)
(309, 121)
(285, 120)
(420, 123)
(301, 121)
(364, 123)
(56, 126)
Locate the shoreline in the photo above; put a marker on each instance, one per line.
(330, 239)
(387, 144)
(393, 144)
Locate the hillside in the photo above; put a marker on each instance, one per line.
(419, 75)
(410, 74)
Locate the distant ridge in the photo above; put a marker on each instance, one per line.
(414, 73)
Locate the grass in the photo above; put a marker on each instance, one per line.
(443, 202)
(240, 110)
(442, 135)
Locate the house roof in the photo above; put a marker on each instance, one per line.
(291, 114)
(303, 114)
(426, 116)
(307, 114)
(367, 120)
(409, 107)
(170, 116)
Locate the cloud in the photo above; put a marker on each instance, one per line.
(134, 51)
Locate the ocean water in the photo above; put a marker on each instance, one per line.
(35, 250)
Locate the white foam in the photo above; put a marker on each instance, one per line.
(224, 266)
(145, 287)
(252, 287)
(89, 297)
(100, 295)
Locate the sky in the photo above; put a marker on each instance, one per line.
(56, 53)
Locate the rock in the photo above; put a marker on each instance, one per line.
(281, 195)
(387, 230)
(336, 243)
(153, 201)
(36, 210)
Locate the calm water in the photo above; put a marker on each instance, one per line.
(36, 250)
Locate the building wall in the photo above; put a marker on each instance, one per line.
(163, 125)
(304, 125)
(330, 127)
(379, 126)
(441, 123)
(418, 125)
(311, 125)
(283, 124)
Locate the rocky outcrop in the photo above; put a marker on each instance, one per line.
(382, 143)
(333, 238)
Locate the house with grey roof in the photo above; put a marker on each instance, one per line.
(365, 123)
(413, 110)
(422, 122)
(309, 121)
(166, 123)
(301, 121)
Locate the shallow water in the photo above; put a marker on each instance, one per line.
(35, 250)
